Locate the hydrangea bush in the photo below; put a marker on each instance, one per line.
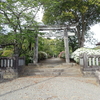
(75, 55)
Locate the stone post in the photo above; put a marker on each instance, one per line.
(35, 56)
(66, 46)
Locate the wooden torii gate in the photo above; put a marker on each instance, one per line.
(53, 28)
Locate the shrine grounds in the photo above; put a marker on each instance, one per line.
(70, 84)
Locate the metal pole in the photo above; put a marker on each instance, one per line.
(66, 46)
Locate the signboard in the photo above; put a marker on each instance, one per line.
(71, 33)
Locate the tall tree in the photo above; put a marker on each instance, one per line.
(18, 15)
(82, 12)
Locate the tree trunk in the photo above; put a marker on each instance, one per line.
(81, 28)
(80, 36)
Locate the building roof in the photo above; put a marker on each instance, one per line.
(98, 43)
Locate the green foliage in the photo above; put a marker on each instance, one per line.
(51, 46)
(7, 53)
(19, 15)
(42, 55)
(1, 51)
(7, 38)
(82, 12)
(73, 43)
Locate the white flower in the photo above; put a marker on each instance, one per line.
(75, 55)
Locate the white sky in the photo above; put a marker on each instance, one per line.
(39, 15)
(96, 30)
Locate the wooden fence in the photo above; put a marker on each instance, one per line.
(90, 62)
(11, 62)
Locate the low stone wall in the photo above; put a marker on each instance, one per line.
(97, 74)
(88, 73)
(9, 73)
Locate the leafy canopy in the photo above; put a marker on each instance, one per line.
(82, 12)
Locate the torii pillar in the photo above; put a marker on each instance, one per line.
(66, 45)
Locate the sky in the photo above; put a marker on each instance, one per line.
(96, 30)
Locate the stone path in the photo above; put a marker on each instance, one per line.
(52, 67)
(56, 81)
(53, 61)
(50, 88)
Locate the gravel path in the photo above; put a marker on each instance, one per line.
(71, 87)
(50, 88)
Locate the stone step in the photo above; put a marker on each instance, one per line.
(41, 65)
(53, 72)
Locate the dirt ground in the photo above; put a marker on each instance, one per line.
(51, 79)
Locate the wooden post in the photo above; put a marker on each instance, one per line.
(66, 46)
(16, 62)
(35, 56)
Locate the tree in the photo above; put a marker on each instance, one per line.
(73, 43)
(19, 15)
(82, 12)
(51, 46)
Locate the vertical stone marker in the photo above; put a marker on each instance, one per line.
(35, 56)
(66, 45)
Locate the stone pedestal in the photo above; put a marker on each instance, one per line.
(8, 74)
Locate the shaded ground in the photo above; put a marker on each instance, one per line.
(55, 61)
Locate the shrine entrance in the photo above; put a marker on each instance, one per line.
(58, 31)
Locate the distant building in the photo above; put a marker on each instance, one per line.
(98, 44)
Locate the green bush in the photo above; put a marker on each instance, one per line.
(42, 55)
(49, 56)
(1, 51)
(7, 53)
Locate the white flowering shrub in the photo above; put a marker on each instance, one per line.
(75, 55)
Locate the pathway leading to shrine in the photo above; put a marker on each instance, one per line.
(52, 67)
(64, 82)
(53, 61)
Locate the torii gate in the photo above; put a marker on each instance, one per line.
(64, 29)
